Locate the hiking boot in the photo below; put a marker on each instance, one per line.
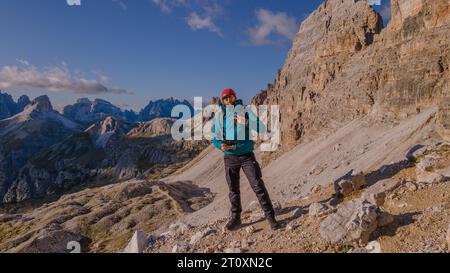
(274, 224)
(234, 223)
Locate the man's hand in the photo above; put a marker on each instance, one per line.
(226, 148)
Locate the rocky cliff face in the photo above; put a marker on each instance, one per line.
(22, 102)
(8, 107)
(27, 133)
(108, 151)
(343, 65)
(109, 131)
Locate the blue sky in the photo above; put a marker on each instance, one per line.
(131, 51)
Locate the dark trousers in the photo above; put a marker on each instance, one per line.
(252, 170)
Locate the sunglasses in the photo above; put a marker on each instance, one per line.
(227, 97)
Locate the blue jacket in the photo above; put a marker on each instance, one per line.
(243, 146)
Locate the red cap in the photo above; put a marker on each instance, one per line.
(228, 92)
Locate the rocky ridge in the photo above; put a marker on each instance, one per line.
(344, 65)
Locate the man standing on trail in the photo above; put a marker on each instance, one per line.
(239, 154)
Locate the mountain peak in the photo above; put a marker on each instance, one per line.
(161, 108)
(84, 101)
(8, 107)
(23, 101)
(102, 101)
(42, 104)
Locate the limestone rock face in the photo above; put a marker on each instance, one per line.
(327, 39)
(443, 116)
(26, 134)
(423, 13)
(343, 65)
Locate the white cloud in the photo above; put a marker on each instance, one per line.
(103, 78)
(201, 14)
(271, 25)
(73, 2)
(167, 6)
(23, 62)
(197, 23)
(53, 79)
(121, 4)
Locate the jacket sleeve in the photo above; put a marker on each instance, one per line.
(256, 124)
(217, 143)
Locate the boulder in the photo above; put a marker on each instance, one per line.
(376, 194)
(427, 163)
(359, 181)
(348, 185)
(345, 187)
(137, 243)
(354, 221)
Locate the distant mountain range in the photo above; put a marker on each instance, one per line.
(87, 111)
(44, 152)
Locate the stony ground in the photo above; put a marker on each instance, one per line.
(420, 217)
(415, 193)
(101, 219)
(420, 226)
